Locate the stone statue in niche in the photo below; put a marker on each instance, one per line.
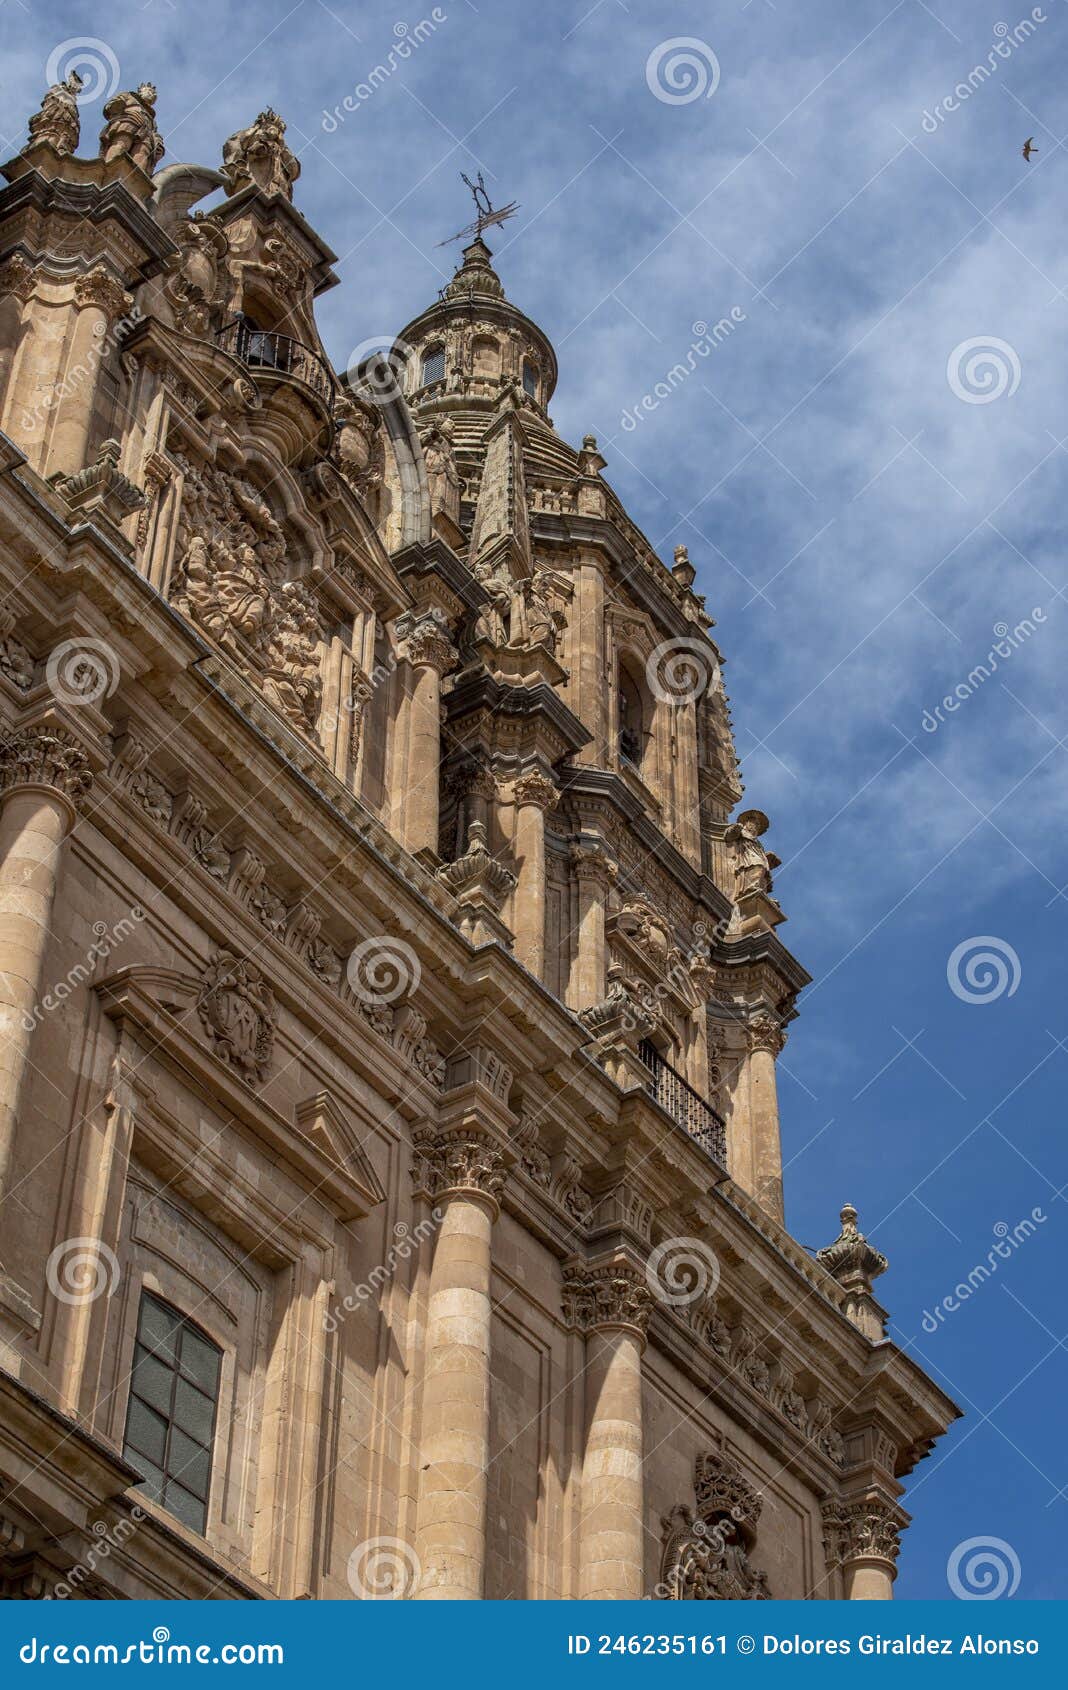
(539, 616)
(257, 157)
(444, 481)
(494, 619)
(130, 129)
(58, 122)
(753, 865)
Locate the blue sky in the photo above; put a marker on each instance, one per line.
(865, 506)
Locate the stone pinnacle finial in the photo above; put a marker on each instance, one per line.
(682, 569)
(851, 1259)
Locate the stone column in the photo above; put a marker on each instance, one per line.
(594, 874)
(432, 655)
(43, 774)
(863, 1538)
(766, 1040)
(17, 284)
(100, 299)
(462, 1170)
(611, 1305)
(535, 794)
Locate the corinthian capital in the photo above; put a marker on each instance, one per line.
(869, 1530)
(536, 788)
(99, 287)
(428, 642)
(615, 1294)
(47, 757)
(765, 1032)
(458, 1161)
(590, 863)
(18, 277)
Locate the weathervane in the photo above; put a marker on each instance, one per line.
(487, 216)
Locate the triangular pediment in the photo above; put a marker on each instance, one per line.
(325, 1125)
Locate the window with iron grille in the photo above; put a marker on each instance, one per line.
(433, 366)
(170, 1421)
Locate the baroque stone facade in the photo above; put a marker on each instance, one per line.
(389, 1005)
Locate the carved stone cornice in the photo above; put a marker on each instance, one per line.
(458, 1161)
(45, 757)
(536, 788)
(100, 288)
(765, 1032)
(600, 1298)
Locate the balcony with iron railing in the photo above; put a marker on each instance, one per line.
(683, 1104)
(266, 352)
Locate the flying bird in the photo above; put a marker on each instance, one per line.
(1029, 148)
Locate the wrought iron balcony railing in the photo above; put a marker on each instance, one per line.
(683, 1104)
(266, 350)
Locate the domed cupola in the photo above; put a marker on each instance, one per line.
(470, 347)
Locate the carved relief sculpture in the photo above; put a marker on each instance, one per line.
(237, 1008)
(706, 1549)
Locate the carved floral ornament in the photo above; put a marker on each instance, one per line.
(98, 287)
(869, 1530)
(765, 1032)
(706, 1547)
(48, 757)
(536, 788)
(612, 1295)
(458, 1161)
(427, 641)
